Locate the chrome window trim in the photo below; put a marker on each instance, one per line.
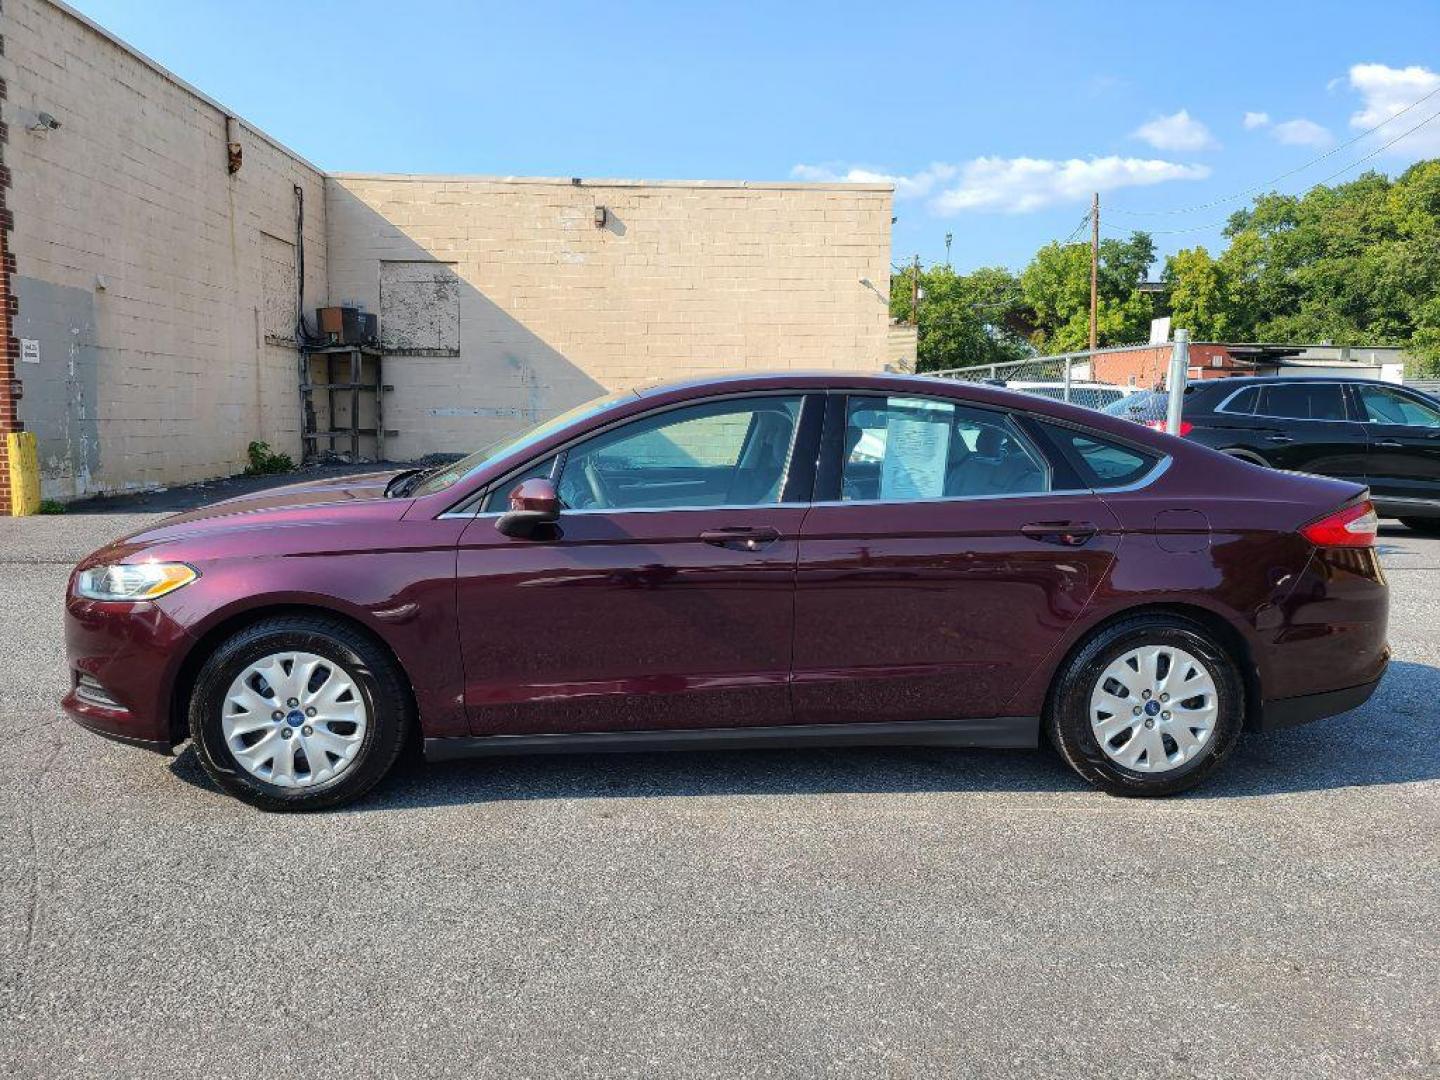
(1161, 467)
(1293, 419)
(1159, 470)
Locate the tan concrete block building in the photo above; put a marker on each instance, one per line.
(154, 245)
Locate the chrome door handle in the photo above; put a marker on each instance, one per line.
(1391, 444)
(1278, 438)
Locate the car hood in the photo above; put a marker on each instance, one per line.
(357, 487)
(333, 500)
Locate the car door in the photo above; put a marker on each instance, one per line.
(945, 555)
(1403, 430)
(1304, 425)
(664, 597)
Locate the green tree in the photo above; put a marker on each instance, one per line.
(1056, 285)
(965, 319)
(1358, 263)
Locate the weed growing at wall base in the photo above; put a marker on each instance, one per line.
(264, 461)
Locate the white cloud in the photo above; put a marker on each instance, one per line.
(1255, 120)
(906, 187)
(1020, 185)
(1179, 131)
(1385, 91)
(1010, 185)
(1302, 132)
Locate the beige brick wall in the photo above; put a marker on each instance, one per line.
(683, 279)
(141, 264)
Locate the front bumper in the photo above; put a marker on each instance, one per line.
(1289, 712)
(132, 651)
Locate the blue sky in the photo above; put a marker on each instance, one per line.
(996, 119)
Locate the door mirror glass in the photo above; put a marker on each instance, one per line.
(533, 503)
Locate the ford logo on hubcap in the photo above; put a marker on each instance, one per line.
(1151, 708)
(295, 718)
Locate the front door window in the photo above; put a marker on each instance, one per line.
(725, 453)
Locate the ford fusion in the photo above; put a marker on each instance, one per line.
(751, 561)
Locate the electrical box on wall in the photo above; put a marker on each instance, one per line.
(347, 325)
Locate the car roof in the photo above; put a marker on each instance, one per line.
(1233, 381)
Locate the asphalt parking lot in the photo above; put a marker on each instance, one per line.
(908, 913)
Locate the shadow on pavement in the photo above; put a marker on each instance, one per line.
(1388, 741)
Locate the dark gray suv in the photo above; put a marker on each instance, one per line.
(1373, 433)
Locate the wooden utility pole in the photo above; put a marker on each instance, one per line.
(915, 295)
(1094, 270)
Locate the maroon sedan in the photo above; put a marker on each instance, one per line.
(750, 561)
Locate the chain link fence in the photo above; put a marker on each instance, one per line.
(1093, 380)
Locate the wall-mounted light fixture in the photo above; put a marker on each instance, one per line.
(601, 217)
(43, 124)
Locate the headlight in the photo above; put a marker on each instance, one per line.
(133, 581)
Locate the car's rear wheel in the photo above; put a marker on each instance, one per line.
(1147, 706)
(1423, 526)
(298, 713)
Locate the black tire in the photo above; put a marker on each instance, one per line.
(381, 686)
(1068, 716)
(1423, 526)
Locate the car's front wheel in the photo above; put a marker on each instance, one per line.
(1147, 706)
(299, 712)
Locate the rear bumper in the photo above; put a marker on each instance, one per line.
(1288, 712)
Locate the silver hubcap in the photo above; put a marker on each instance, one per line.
(294, 719)
(1154, 709)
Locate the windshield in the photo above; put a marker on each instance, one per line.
(510, 444)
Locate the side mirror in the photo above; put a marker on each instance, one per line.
(533, 503)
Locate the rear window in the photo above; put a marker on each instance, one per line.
(1101, 462)
(1300, 400)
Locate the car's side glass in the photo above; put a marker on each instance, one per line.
(912, 448)
(1387, 407)
(1299, 399)
(733, 452)
(1103, 464)
(1242, 403)
(498, 500)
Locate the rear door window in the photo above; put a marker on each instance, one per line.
(1302, 400)
(913, 448)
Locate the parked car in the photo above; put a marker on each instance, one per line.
(1092, 395)
(1374, 433)
(715, 564)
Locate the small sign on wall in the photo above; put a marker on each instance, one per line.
(29, 350)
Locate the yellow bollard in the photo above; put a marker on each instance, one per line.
(24, 473)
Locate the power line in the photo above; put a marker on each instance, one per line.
(1323, 180)
(1286, 175)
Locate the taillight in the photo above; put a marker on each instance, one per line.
(1159, 425)
(1353, 527)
